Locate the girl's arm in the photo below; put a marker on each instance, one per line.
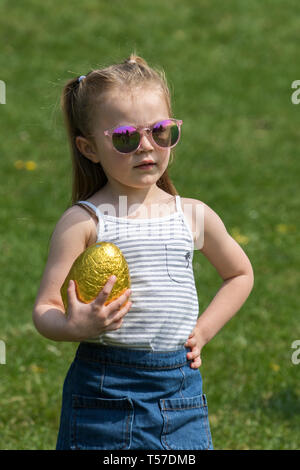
(234, 267)
(71, 236)
(68, 240)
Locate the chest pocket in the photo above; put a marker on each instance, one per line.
(179, 261)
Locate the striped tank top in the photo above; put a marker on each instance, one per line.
(159, 254)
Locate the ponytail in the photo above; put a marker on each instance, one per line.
(87, 176)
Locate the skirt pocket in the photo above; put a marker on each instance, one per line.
(101, 423)
(185, 423)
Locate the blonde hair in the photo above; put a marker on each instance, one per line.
(78, 101)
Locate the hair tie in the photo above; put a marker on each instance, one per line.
(81, 78)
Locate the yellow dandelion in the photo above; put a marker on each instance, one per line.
(179, 34)
(284, 228)
(30, 165)
(19, 164)
(36, 369)
(274, 367)
(236, 234)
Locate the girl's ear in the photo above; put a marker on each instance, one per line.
(86, 148)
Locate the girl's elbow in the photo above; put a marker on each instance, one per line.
(251, 277)
(36, 320)
(249, 274)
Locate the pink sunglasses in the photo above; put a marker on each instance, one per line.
(127, 139)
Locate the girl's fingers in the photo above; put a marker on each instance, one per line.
(196, 363)
(193, 354)
(191, 341)
(120, 307)
(117, 304)
(117, 317)
(105, 291)
(71, 293)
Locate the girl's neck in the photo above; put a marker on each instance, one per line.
(133, 196)
(132, 203)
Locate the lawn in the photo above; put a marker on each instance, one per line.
(230, 66)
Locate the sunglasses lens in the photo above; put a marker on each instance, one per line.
(166, 133)
(126, 139)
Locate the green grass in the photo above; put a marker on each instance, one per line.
(230, 65)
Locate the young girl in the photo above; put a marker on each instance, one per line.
(135, 382)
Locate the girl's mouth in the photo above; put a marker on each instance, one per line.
(146, 166)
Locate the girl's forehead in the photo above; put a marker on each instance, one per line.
(140, 106)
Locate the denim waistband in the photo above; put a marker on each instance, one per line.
(144, 359)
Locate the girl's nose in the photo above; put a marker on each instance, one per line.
(145, 143)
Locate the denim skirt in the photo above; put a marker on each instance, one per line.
(119, 398)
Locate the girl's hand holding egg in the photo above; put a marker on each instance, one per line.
(90, 320)
(101, 267)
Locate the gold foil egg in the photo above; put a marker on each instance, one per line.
(92, 269)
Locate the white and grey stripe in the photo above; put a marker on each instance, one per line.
(159, 253)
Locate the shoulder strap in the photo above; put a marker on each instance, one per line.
(187, 225)
(178, 203)
(91, 206)
(93, 210)
(88, 209)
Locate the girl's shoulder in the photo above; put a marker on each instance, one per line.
(203, 220)
(199, 207)
(187, 202)
(80, 220)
